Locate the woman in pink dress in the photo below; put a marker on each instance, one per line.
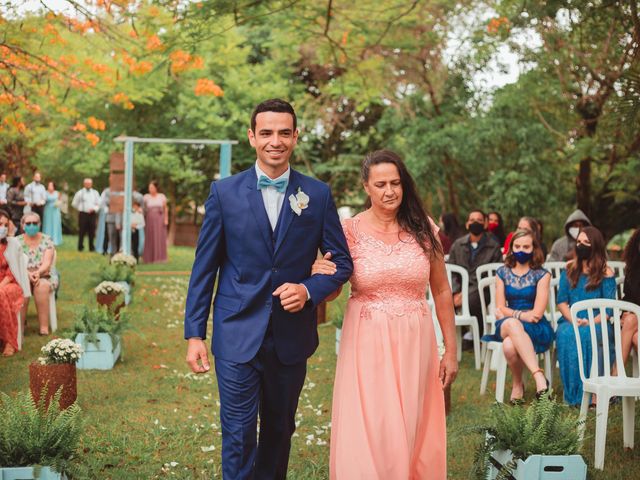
(156, 220)
(388, 419)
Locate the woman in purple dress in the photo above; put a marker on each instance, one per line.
(156, 221)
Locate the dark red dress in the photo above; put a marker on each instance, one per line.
(10, 303)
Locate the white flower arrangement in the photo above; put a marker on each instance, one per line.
(60, 350)
(109, 288)
(123, 259)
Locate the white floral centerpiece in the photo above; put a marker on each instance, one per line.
(109, 288)
(124, 259)
(60, 350)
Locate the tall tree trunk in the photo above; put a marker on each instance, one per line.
(583, 186)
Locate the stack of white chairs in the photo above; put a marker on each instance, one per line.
(606, 386)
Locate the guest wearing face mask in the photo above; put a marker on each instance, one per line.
(496, 226)
(11, 286)
(470, 251)
(40, 252)
(563, 248)
(522, 292)
(586, 277)
(36, 195)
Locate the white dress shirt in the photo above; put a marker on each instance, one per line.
(4, 187)
(86, 200)
(35, 194)
(272, 198)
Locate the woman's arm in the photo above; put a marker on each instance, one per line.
(446, 318)
(165, 211)
(47, 259)
(540, 304)
(501, 301)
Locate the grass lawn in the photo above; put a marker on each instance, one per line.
(150, 418)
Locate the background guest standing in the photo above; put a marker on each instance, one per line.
(15, 201)
(137, 230)
(87, 203)
(156, 221)
(4, 188)
(36, 195)
(52, 221)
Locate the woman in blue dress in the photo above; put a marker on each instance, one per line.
(586, 277)
(52, 221)
(522, 292)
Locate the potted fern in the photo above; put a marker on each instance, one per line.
(538, 442)
(120, 273)
(37, 440)
(99, 332)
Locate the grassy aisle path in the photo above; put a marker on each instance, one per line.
(150, 418)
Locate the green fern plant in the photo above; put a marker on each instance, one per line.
(545, 427)
(36, 434)
(115, 272)
(101, 319)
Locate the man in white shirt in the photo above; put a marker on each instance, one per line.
(87, 203)
(4, 186)
(36, 195)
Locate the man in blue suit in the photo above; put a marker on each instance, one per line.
(261, 234)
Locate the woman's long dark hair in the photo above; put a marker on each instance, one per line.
(15, 182)
(412, 216)
(596, 263)
(452, 228)
(499, 231)
(631, 257)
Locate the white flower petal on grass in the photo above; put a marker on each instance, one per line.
(210, 448)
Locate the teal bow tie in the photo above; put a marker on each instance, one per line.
(280, 184)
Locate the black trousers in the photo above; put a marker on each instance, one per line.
(87, 226)
(135, 242)
(39, 209)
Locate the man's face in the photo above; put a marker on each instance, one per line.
(476, 217)
(3, 178)
(88, 183)
(274, 140)
(36, 177)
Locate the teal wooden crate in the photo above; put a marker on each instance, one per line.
(29, 473)
(98, 357)
(540, 467)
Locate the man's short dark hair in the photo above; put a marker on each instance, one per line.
(273, 105)
(477, 210)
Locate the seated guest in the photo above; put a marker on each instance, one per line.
(470, 251)
(40, 251)
(531, 224)
(564, 247)
(631, 290)
(586, 277)
(450, 231)
(522, 292)
(496, 227)
(12, 282)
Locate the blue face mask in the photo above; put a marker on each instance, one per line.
(522, 257)
(31, 230)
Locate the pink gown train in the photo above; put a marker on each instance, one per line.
(388, 420)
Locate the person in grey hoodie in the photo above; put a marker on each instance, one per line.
(563, 247)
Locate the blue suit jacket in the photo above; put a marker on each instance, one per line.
(236, 239)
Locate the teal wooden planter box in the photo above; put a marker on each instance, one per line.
(98, 357)
(540, 467)
(127, 292)
(29, 473)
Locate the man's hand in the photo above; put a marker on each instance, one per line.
(457, 299)
(197, 351)
(293, 296)
(448, 368)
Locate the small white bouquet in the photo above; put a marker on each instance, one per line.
(123, 259)
(60, 350)
(109, 288)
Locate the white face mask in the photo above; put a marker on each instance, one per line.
(4, 231)
(574, 231)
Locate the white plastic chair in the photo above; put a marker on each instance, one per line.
(606, 386)
(493, 355)
(620, 287)
(555, 268)
(487, 270)
(53, 315)
(465, 319)
(617, 267)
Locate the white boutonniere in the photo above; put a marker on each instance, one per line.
(299, 202)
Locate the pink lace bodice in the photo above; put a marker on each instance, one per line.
(393, 277)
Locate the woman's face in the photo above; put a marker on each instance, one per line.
(31, 225)
(4, 221)
(152, 189)
(583, 239)
(50, 186)
(523, 244)
(493, 218)
(384, 187)
(524, 225)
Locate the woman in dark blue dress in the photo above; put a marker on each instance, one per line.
(522, 291)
